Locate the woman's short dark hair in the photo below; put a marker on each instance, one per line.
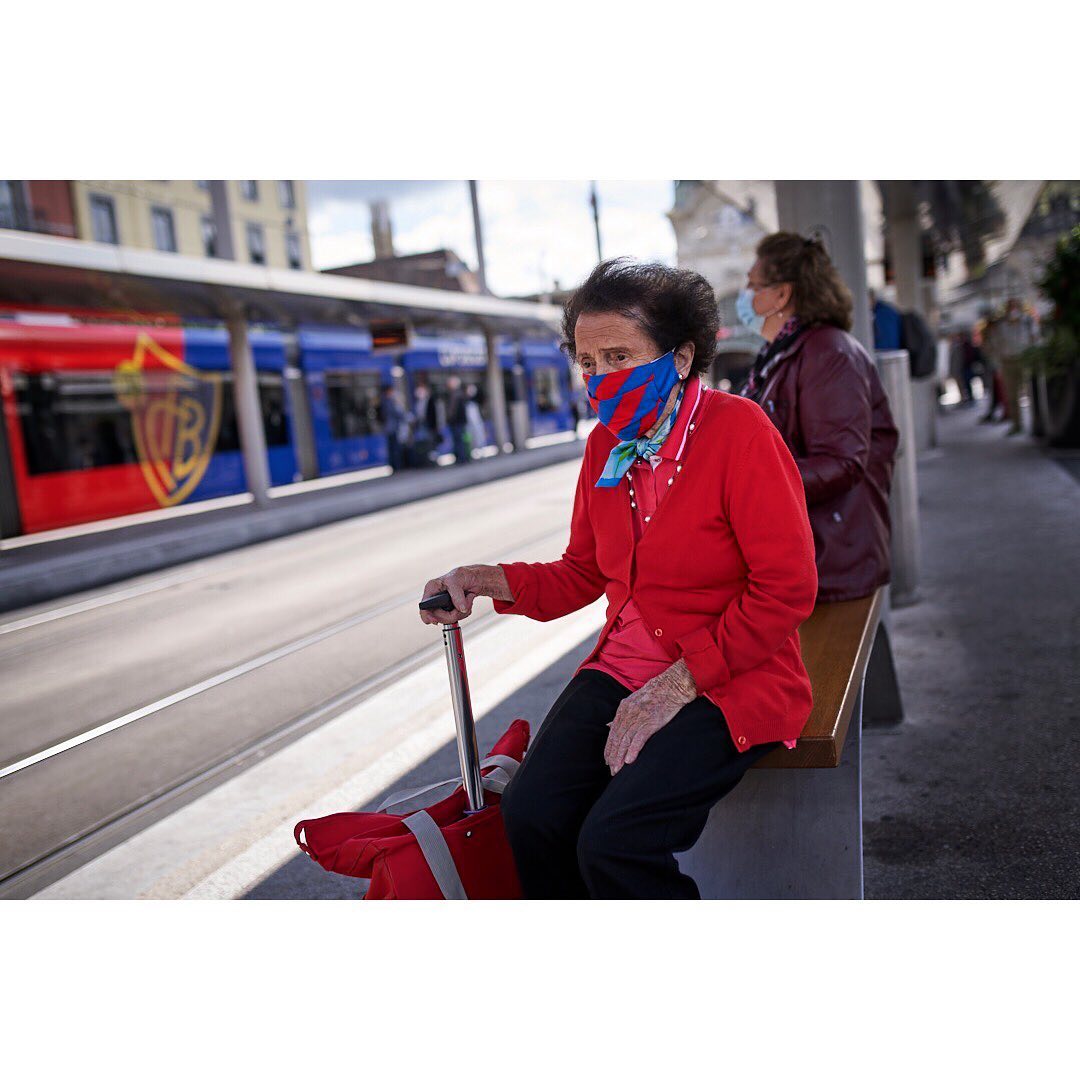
(671, 306)
(819, 296)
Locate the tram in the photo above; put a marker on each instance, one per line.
(104, 419)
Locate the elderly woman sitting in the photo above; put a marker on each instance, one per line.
(689, 516)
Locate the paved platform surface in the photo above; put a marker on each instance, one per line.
(975, 795)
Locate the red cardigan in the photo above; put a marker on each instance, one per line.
(724, 575)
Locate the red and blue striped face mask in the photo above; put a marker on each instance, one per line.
(629, 402)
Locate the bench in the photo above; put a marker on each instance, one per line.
(793, 828)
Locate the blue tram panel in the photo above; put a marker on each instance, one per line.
(345, 383)
(434, 360)
(547, 378)
(208, 350)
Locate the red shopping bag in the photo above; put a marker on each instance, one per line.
(441, 852)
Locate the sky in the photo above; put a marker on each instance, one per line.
(536, 232)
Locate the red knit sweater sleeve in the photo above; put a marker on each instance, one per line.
(766, 508)
(545, 591)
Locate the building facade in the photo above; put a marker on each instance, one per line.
(441, 269)
(268, 217)
(42, 206)
(718, 225)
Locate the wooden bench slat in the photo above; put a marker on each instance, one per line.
(835, 641)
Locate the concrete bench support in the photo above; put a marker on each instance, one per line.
(792, 830)
(786, 834)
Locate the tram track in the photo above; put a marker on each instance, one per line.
(107, 804)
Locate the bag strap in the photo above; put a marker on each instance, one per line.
(434, 848)
(495, 781)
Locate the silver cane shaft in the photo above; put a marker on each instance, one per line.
(468, 756)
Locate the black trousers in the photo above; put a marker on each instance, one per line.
(577, 832)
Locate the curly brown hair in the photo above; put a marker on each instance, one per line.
(671, 306)
(818, 292)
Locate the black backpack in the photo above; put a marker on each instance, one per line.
(917, 338)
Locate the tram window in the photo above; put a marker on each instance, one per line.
(439, 379)
(509, 387)
(547, 390)
(353, 400)
(272, 402)
(72, 422)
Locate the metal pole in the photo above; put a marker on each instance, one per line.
(496, 393)
(831, 210)
(595, 203)
(248, 410)
(895, 370)
(219, 200)
(905, 247)
(478, 231)
(468, 754)
(10, 519)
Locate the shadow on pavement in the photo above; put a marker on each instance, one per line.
(302, 879)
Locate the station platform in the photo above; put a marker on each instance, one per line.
(35, 570)
(973, 795)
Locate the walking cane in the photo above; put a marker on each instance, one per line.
(468, 756)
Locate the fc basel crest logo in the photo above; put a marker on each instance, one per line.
(175, 417)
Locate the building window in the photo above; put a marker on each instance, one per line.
(209, 237)
(286, 194)
(250, 190)
(293, 251)
(164, 229)
(256, 244)
(103, 220)
(7, 204)
(203, 185)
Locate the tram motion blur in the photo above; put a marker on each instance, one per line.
(108, 418)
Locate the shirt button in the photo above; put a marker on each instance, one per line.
(678, 468)
(658, 632)
(671, 481)
(742, 740)
(647, 518)
(633, 505)
(691, 427)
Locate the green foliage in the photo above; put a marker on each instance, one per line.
(1055, 356)
(1060, 283)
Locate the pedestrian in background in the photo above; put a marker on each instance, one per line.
(395, 425)
(888, 324)
(474, 418)
(425, 426)
(821, 390)
(457, 419)
(1012, 333)
(968, 363)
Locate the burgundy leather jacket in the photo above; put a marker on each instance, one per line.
(826, 399)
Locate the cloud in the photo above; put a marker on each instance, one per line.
(536, 232)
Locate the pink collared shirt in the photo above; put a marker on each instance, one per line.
(631, 654)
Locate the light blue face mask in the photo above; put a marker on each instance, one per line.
(744, 308)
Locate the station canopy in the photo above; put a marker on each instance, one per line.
(60, 273)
